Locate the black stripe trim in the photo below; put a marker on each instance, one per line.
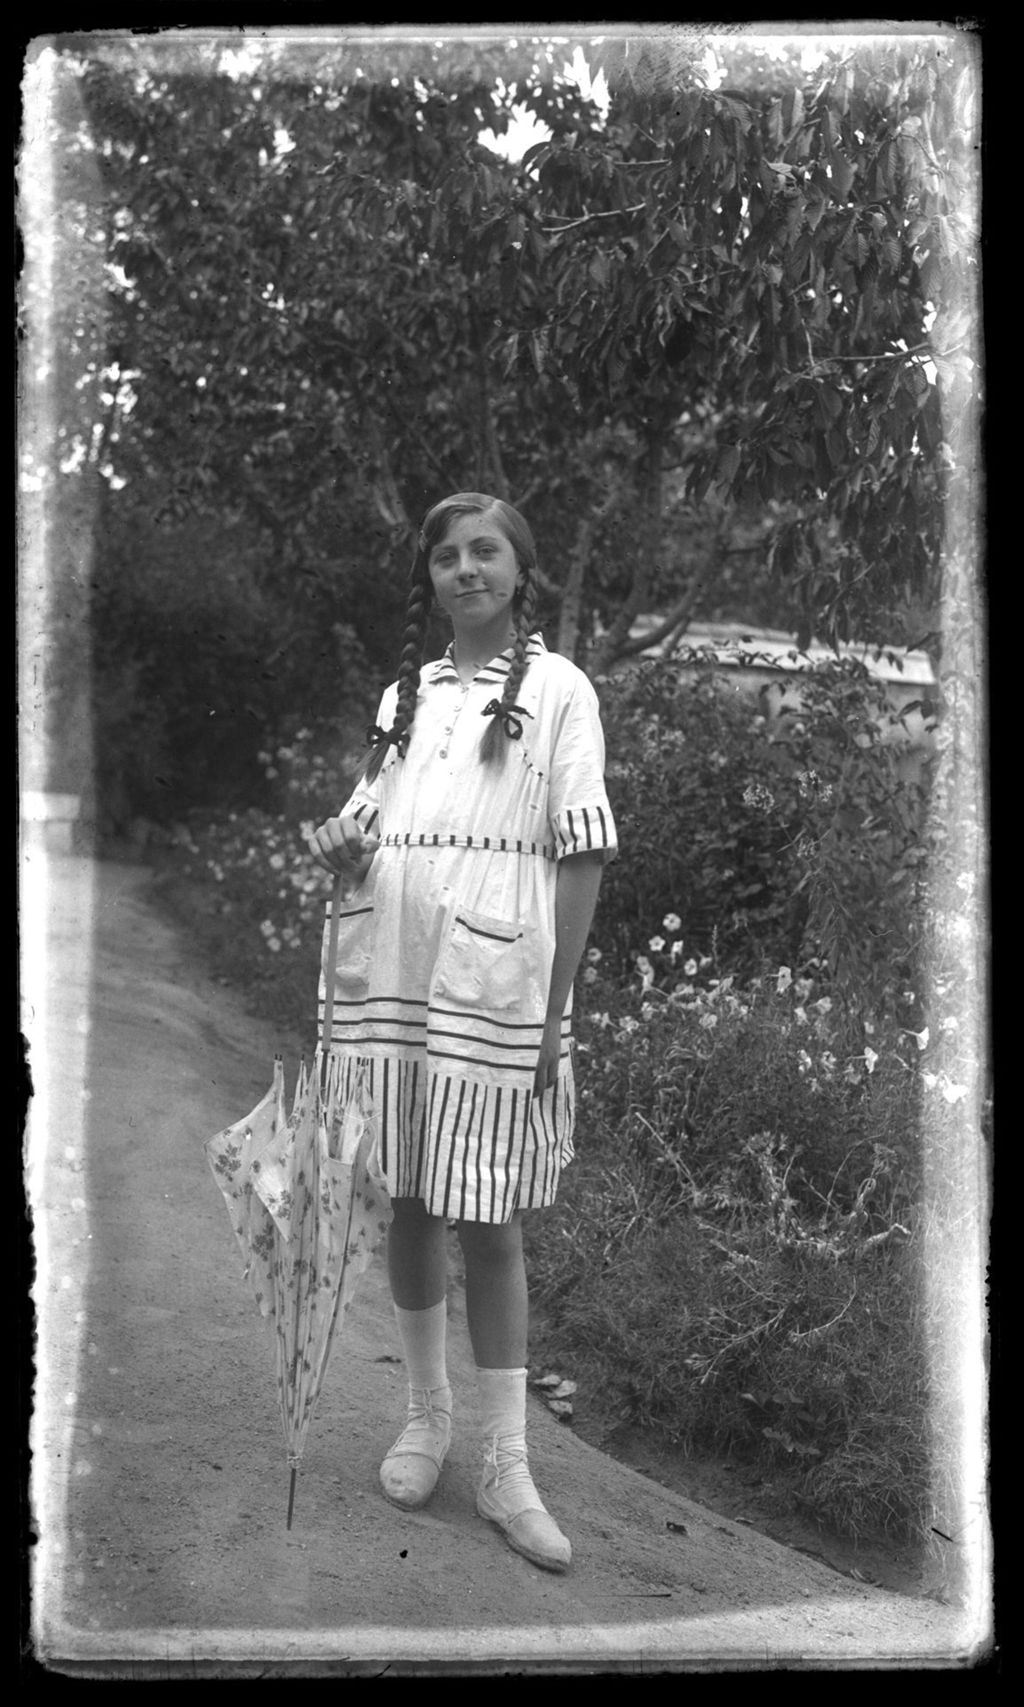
(492, 936)
(460, 1013)
(484, 1042)
(360, 1017)
(474, 1061)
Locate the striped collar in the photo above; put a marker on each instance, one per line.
(443, 669)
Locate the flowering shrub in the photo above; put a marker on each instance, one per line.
(794, 838)
(734, 1256)
(266, 889)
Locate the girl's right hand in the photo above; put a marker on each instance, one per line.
(340, 846)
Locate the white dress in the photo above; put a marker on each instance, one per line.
(445, 951)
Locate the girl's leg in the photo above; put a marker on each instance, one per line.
(497, 1313)
(417, 1255)
(497, 1306)
(417, 1269)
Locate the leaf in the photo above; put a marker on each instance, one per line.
(842, 176)
(728, 464)
(533, 154)
(792, 110)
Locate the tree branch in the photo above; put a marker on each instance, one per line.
(587, 218)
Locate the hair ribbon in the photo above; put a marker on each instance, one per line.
(508, 716)
(378, 737)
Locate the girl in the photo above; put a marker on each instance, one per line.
(475, 840)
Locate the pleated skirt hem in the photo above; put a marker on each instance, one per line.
(468, 1149)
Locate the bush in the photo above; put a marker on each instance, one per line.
(734, 1258)
(793, 838)
(196, 672)
(264, 893)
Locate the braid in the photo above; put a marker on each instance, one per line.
(417, 615)
(492, 748)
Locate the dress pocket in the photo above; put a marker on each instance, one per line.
(355, 949)
(481, 964)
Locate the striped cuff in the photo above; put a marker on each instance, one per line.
(585, 829)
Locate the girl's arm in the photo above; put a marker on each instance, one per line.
(579, 880)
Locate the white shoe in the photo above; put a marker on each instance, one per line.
(507, 1497)
(408, 1475)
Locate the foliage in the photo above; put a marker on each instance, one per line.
(740, 1219)
(194, 672)
(329, 295)
(247, 881)
(786, 831)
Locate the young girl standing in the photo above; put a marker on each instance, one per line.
(474, 842)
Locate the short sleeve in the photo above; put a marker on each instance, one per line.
(578, 811)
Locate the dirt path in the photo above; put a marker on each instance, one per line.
(160, 1481)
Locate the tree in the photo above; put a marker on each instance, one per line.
(699, 320)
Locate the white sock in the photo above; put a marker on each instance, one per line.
(423, 1334)
(501, 1394)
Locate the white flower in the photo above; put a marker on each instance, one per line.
(628, 1025)
(825, 1005)
(677, 948)
(802, 988)
(800, 1015)
(647, 1010)
(690, 969)
(950, 1023)
(656, 944)
(274, 943)
(277, 862)
(672, 922)
(870, 1060)
(952, 1092)
(705, 960)
(593, 955)
(804, 1061)
(783, 980)
(920, 1037)
(929, 1080)
(590, 975)
(266, 928)
(708, 1021)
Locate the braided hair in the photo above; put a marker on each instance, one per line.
(502, 713)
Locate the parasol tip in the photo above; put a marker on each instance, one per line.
(291, 1497)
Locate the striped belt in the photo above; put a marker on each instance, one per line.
(491, 844)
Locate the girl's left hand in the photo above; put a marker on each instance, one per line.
(550, 1055)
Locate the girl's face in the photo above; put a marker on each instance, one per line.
(475, 576)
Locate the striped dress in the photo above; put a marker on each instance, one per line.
(445, 950)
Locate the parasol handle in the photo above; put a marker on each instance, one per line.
(291, 1496)
(329, 971)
